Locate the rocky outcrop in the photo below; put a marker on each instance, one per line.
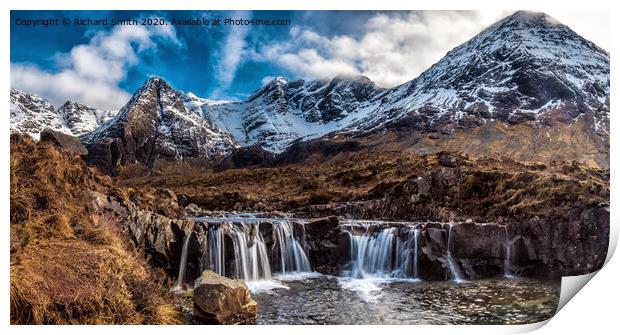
(154, 125)
(160, 236)
(306, 151)
(251, 156)
(566, 248)
(569, 244)
(220, 300)
(328, 246)
(482, 250)
(66, 143)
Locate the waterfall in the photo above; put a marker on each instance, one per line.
(251, 261)
(183, 263)
(216, 251)
(250, 258)
(507, 254)
(383, 254)
(292, 255)
(416, 274)
(454, 269)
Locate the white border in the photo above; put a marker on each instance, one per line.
(585, 316)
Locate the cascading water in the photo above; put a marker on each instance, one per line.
(215, 251)
(250, 259)
(507, 254)
(183, 263)
(383, 254)
(454, 269)
(416, 274)
(292, 255)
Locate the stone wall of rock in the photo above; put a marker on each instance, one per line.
(533, 248)
(537, 247)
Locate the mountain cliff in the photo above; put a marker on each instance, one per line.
(154, 124)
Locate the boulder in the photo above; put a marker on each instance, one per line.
(220, 300)
(66, 143)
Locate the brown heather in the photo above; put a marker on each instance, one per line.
(70, 264)
(486, 189)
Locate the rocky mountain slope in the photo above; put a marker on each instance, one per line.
(30, 114)
(282, 111)
(153, 125)
(527, 87)
(81, 119)
(525, 69)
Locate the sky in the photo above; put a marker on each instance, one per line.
(102, 65)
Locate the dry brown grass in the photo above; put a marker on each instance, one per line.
(70, 264)
(490, 187)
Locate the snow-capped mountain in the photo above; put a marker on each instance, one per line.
(526, 71)
(155, 124)
(283, 111)
(526, 67)
(30, 114)
(81, 119)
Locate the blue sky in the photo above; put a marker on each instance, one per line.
(103, 65)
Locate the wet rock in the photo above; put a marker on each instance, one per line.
(66, 143)
(220, 300)
(479, 246)
(576, 246)
(327, 249)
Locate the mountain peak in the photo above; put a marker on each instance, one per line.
(531, 17)
(73, 104)
(157, 83)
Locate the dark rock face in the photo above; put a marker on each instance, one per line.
(483, 250)
(321, 149)
(252, 156)
(562, 248)
(220, 300)
(153, 125)
(65, 142)
(327, 245)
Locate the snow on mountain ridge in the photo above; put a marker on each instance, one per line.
(30, 114)
(283, 111)
(526, 68)
(155, 124)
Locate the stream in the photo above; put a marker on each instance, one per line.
(380, 284)
(321, 299)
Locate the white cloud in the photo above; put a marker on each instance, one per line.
(90, 73)
(230, 54)
(392, 49)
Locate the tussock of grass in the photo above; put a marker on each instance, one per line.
(69, 263)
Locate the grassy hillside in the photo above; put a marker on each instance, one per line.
(69, 263)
